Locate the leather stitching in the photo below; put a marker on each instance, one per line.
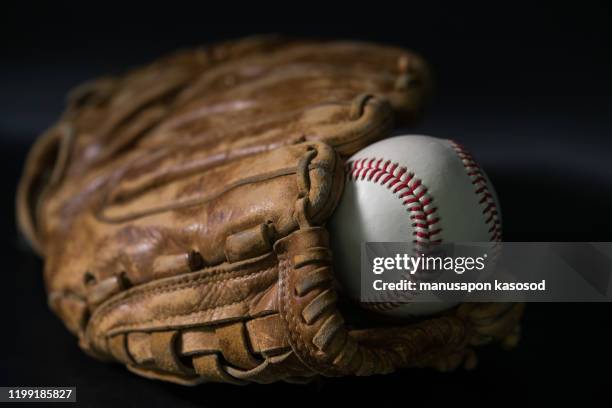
(103, 312)
(188, 286)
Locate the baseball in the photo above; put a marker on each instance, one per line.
(416, 189)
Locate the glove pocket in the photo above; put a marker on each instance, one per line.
(318, 333)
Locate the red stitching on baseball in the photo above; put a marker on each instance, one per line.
(413, 195)
(420, 204)
(412, 192)
(475, 173)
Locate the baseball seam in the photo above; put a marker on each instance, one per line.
(481, 188)
(408, 188)
(415, 196)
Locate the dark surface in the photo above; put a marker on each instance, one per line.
(527, 91)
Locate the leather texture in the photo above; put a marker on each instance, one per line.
(181, 210)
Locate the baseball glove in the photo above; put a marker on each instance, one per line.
(181, 212)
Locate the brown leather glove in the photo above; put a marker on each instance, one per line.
(181, 212)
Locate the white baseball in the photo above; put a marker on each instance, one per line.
(416, 189)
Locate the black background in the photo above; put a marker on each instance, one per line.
(528, 91)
